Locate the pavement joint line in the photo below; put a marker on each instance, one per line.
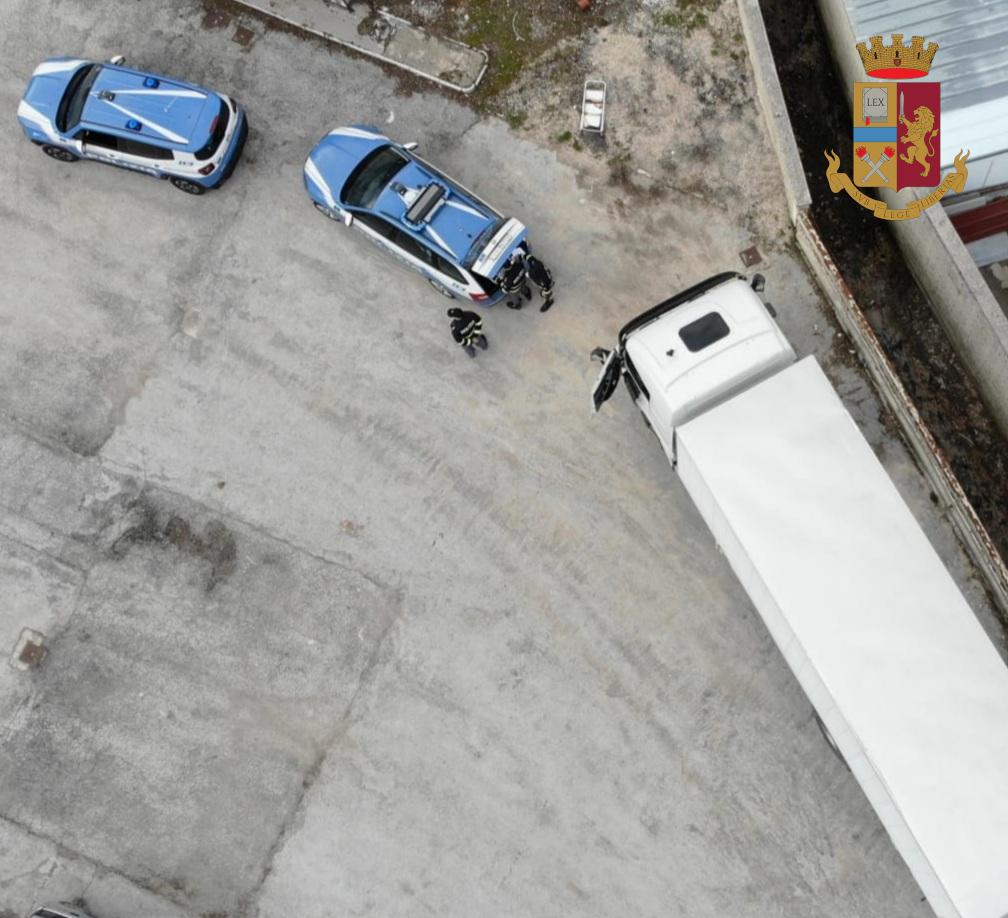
(340, 27)
(311, 774)
(13, 539)
(65, 851)
(145, 479)
(345, 563)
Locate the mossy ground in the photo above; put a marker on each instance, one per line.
(515, 33)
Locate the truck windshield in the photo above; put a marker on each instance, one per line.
(371, 176)
(72, 103)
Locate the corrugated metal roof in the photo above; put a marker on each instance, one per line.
(972, 37)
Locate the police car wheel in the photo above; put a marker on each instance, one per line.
(326, 212)
(441, 288)
(187, 186)
(64, 156)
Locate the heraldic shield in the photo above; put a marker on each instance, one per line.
(897, 131)
(897, 135)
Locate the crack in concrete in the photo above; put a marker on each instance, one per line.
(65, 852)
(287, 828)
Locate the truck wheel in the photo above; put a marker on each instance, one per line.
(64, 156)
(441, 288)
(187, 186)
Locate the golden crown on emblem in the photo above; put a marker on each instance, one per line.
(897, 56)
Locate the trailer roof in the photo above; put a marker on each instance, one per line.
(849, 584)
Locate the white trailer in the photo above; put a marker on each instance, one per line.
(910, 690)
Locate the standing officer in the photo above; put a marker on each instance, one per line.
(512, 281)
(467, 330)
(542, 277)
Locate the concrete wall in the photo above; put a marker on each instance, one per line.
(938, 259)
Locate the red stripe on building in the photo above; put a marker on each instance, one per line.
(982, 221)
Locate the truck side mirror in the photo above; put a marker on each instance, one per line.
(117, 60)
(412, 145)
(347, 218)
(758, 282)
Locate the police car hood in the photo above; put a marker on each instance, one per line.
(167, 110)
(337, 154)
(49, 82)
(453, 226)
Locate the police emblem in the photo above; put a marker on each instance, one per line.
(897, 129)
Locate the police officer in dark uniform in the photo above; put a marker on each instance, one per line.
(467, 330)
(542, 277)
(512, 281)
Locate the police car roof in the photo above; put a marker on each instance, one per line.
(452, 226)
(169, 113)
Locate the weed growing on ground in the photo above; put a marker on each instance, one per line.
(687, 16)
(516, 119)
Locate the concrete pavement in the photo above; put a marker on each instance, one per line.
(342, 622)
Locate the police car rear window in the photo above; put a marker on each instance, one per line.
(481, 241)
(703, 332)
(72, 103)
(218, 128)
(371, 176)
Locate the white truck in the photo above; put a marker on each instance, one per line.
(907, 687)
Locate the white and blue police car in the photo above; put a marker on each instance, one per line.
(79, 109)
(404, 205)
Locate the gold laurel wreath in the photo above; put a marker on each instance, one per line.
(954, 181)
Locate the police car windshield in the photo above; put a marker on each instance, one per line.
(72, 103)
(371, 176)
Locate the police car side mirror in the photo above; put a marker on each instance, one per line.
(117, 60)
(412, 145)
(348, 218)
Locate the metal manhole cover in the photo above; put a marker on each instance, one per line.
(30, 650)
(243, 36)
(750, 256)
(32, 654)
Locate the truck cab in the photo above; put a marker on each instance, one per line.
(692, 352)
